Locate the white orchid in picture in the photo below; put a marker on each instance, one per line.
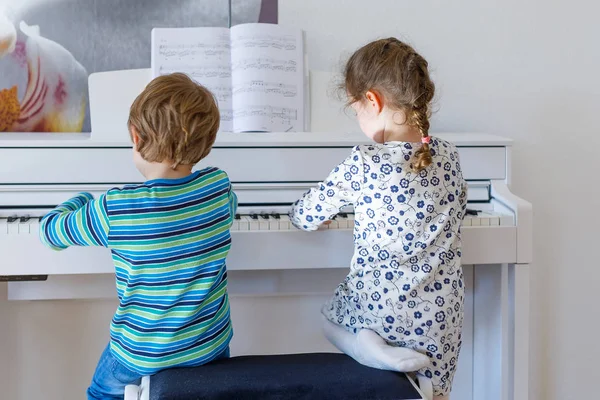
(43, 88)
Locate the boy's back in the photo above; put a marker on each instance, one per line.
(169, 238)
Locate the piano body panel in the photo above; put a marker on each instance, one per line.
(251, 250)
(38, 197)
(241, 283)
(25, 255)
(95, 165)
(483, 245)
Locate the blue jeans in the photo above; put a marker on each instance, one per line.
(111, 377)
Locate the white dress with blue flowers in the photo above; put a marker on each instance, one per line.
(405, 279)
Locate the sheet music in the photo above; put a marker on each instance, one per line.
(202, 53)
(267, 78)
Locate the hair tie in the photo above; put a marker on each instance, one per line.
(426, 139)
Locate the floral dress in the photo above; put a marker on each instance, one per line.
(405, 279)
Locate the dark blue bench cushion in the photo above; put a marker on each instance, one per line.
(296, 376)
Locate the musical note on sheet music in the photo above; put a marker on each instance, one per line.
(266, 88)
(265, 41)
(198, 71)
(274, 113)
(266, 63)
(226, 117)
(199, 50)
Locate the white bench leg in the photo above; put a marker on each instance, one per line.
(132, 392)
(425, 386)
(141, 392)
(145, 388)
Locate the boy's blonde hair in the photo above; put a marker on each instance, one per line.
(176, 120)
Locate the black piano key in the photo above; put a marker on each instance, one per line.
(238, 216)
(254, 216)
(12, 218)
(264, 215)
(473, 212)
(25, 218)
(275, 216)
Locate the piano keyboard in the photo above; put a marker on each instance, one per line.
(25, 224)
(281, 222)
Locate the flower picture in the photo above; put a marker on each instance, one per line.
(48, 49)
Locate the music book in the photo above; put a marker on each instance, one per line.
(256, 72)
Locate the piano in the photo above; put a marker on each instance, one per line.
(269, 256)
(278, 276)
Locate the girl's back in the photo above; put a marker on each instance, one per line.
(409, 221)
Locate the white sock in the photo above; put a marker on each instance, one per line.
(368, 348)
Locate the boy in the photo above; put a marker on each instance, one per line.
(169, 238)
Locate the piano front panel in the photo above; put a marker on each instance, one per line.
(260, 164)
(257, 244)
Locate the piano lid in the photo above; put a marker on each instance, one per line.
(225, 139)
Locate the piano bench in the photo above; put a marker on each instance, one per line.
(326, 376)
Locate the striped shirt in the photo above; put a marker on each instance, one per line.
(169, 239)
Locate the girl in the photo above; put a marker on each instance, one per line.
(401, 306)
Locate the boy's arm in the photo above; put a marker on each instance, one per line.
(233, 203)
(80, 221)
(342, 187)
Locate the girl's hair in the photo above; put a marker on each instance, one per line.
(398, 73)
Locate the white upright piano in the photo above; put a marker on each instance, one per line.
(269, 258)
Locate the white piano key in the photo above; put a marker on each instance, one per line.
(351, 221)
(24, 228)
(285, 223)
(34, 227)
(342, 222)
(494, 220)
(3, 226)
(506, 220)
(475, 221)
(263, 223)
(334, 224)
(244, 223)
(253, 224)
(274, 223)
(235, 225)
(467, 221)
(484, 220)
(13, 228)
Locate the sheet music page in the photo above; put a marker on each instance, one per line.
(202, 53)
(267, 64)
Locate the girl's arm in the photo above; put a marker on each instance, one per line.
(80, 221)
(342, 187)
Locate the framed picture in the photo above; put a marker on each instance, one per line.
(48, 48)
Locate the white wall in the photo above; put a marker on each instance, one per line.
(527, 70)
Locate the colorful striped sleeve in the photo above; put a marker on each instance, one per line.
(80, 221)
(233, 204)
